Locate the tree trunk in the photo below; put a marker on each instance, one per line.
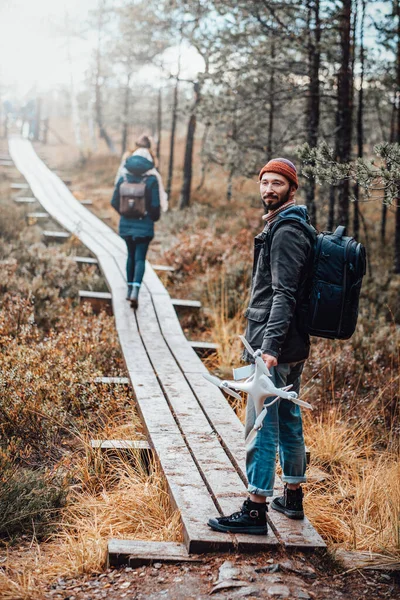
(384, 204)
(229, 186)
(313, 100)
(45, 130)
(271, 114)
(187, 167)
(173, 127)
(331, 214)
(98, 99)
(188, 164)
(204, 161)
(125, 114)
(344, 111)
(172, 140)
(397, 226)
(360, 116)
(38, 117)
(159, 126)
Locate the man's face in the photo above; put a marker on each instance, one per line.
(275, 190)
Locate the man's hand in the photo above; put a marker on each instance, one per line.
(269, 360)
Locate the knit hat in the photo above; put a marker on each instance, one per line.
(283, 167)
(143, 142)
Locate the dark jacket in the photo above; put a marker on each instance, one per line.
(281, 267)
(139, 228)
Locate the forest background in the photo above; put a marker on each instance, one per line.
(221, 87)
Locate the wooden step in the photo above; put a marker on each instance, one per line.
(85, 260)
(86, 202)
(120, 445)
(135, 553)
(112, 380)
(38, 216)
(180, 303)
(204, 348)
(5, 156)
(98, 300)
(137, 452)
(163, 268)
(25, 200)
(19, 186)
(55, 236)
(6, 163)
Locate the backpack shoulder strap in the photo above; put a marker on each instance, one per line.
(307, 227)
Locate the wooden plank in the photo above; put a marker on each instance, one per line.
(6, 163)
(86, 202)
(120, 444)
(180, 303)
(203, 348)
(38, 216)
(97, 295)
(112, 380)
(24, 200)
(98, 300)
(19, 186)
(353, 560)
(135, 553)
(85, 260)
(55, 236)
(163, 268)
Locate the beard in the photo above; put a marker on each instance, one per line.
(282, 201)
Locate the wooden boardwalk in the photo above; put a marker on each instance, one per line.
(197, 437)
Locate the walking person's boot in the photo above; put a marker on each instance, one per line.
(135, 296)
(290, 504)
(252, 518)
(129, 291)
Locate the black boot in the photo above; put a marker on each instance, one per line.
(250, 519)
(290, 504)
(129, 292)
(135, 297)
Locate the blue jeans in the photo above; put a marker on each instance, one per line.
(136, 261)
(282, 427)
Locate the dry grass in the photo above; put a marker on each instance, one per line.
(113, 497)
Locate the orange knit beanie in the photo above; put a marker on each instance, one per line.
(283, 167)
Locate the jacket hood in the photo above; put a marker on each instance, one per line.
(137, 165)
(296, 211)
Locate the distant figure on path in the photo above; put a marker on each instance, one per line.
(139, 207)
(282, 262)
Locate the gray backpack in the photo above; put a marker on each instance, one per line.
(132, 199)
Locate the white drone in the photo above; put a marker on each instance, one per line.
(258, 384)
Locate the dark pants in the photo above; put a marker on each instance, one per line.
(137, 250)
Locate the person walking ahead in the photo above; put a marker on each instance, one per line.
(138, 232)
(282, 262)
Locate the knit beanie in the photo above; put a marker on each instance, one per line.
(283, 167)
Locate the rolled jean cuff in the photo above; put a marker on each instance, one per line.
(259, 492)
(292, 479)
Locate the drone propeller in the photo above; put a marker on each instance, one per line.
(222, 385)
(247, 345)
(229, 391)
(257, 356)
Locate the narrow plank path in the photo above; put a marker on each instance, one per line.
(196, 435)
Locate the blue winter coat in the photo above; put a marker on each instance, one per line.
(139, 228)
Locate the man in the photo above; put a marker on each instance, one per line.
(282, 262)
